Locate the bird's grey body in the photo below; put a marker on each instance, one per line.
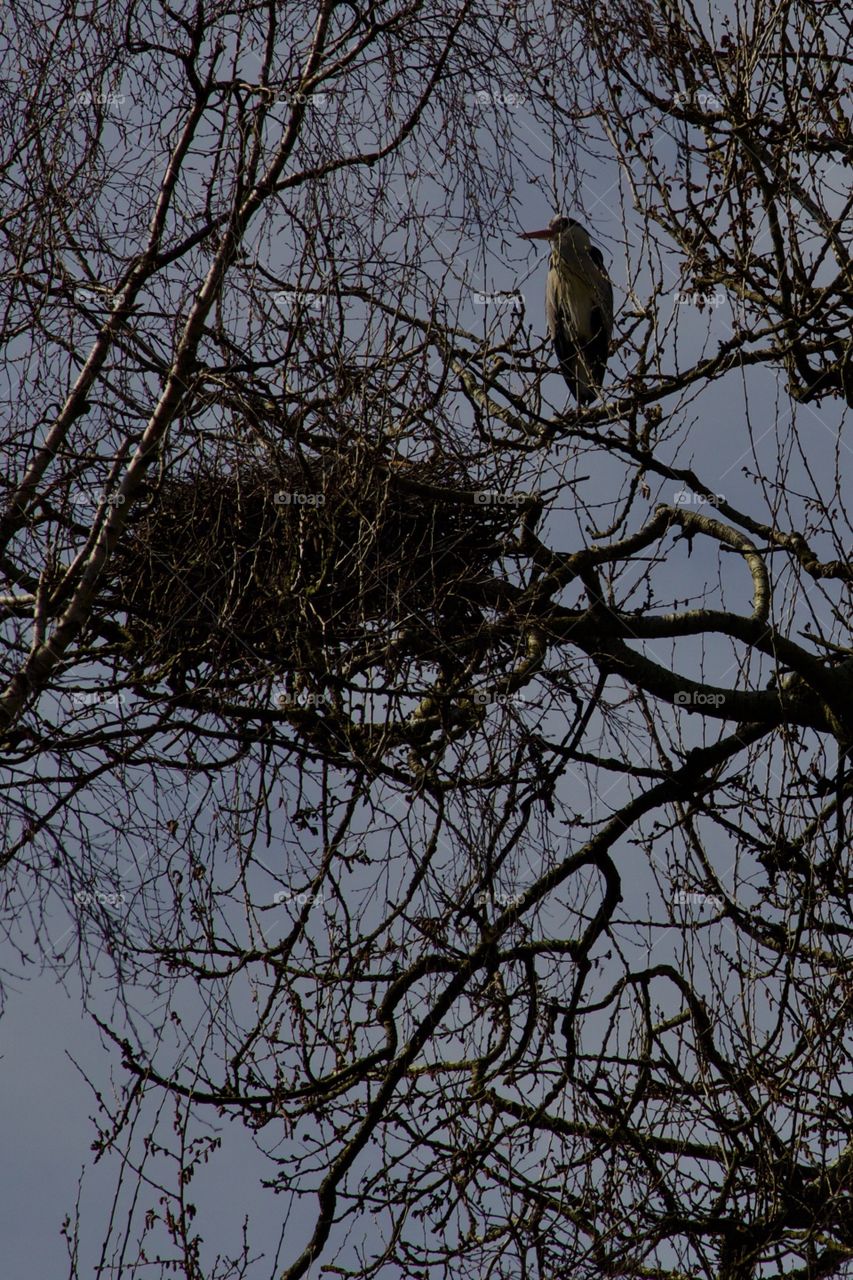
(578, 306)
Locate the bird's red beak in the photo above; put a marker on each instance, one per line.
(537, 235)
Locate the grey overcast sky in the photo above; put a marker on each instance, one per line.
(740, 435)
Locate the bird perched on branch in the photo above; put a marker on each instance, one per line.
(578, 305)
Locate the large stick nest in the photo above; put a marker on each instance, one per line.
(234, 572)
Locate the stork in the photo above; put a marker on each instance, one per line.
(578, 306)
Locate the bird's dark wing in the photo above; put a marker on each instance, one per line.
(562, 332)
(605, 293)
(567, 350)
(597, 349)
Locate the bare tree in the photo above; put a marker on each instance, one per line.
(451, 782)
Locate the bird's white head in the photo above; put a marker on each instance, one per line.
(563, 233)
